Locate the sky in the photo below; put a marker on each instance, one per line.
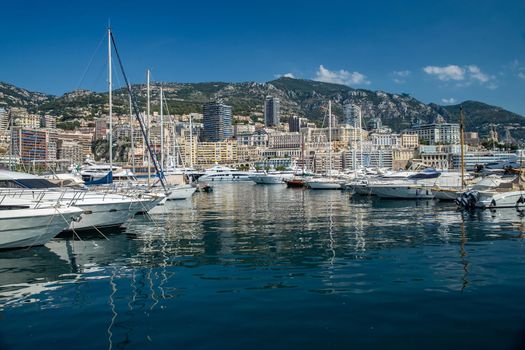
(437, 51)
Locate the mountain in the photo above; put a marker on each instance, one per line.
(305, 98)
(12, 96)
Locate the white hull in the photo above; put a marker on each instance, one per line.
(401, 192)
(181, 192)
(511, 199)
(225, 177)
(270, 179)
(103, 215)
(33, 227)
(446, 195)
(323, 185)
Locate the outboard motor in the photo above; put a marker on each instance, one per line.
(468, 200)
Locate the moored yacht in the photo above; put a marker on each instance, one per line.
(100, 209)
(222, 173)
(271, 178)
(25, 223)
(417, 186)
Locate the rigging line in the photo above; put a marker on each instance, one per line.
(136, 110)
(90, 62)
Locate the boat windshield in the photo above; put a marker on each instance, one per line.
(27, 183)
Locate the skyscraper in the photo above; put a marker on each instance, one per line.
(272, 107)
(351, 114)
(217, 120)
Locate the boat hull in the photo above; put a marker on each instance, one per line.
(181, 192)
(314, 185)
(19, 230)
(401, 192)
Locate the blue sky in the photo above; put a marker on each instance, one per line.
(438, 51)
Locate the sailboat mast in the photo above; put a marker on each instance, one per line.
(161, 129)
(330, 137)
(191, 143)
(148, 117)
(110, 88)
(462, 143)
(132, 136)
(360, 138)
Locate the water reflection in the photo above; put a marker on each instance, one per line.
(243, 240)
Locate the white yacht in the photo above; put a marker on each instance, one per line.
(25, 223)
(495, 192)
(100, 209)
(418, 186)
(271, 178)
(219, 173)
(325, 183)
(180, 192)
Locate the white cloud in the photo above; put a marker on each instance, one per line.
(400, 75)
(449, 101)
(285, 75)
(450, 72)
(476, 73)
(340, 77)
(521, 75)
(463, 75)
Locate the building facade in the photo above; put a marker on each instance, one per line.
(217, 120)
(272, 109)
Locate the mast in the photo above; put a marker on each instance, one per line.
(139, 119)
(110, 88)
(148, 124)
(462, 143)
(161, 130)
(330, 137)
(191, 143)
(132, 137)
(360, 138)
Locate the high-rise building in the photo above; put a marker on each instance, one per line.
(295, 124)
(31, 144)
(351, 114)
(217, 120)
(272, 107)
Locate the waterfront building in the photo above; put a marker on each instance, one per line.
(242, 129)
(285, 140)
(246, 153)
(437, 133)
(4, 119)
(273, 163)
(222, 152)
(83, 141)
(4, 128)
(401, 157)
(272, 107)
(217, 120)
(31, 121)
(258, 139)
(71, 151)
(371, 156)
(48, 122)
(30, 144)
(385, 140)
(351, 114)
(295, 124)
(101, 129)
(472, 138)
(409, 140)
(491, 159)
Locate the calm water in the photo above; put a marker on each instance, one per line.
(257, 267)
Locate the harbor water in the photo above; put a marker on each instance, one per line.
(257, 267)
